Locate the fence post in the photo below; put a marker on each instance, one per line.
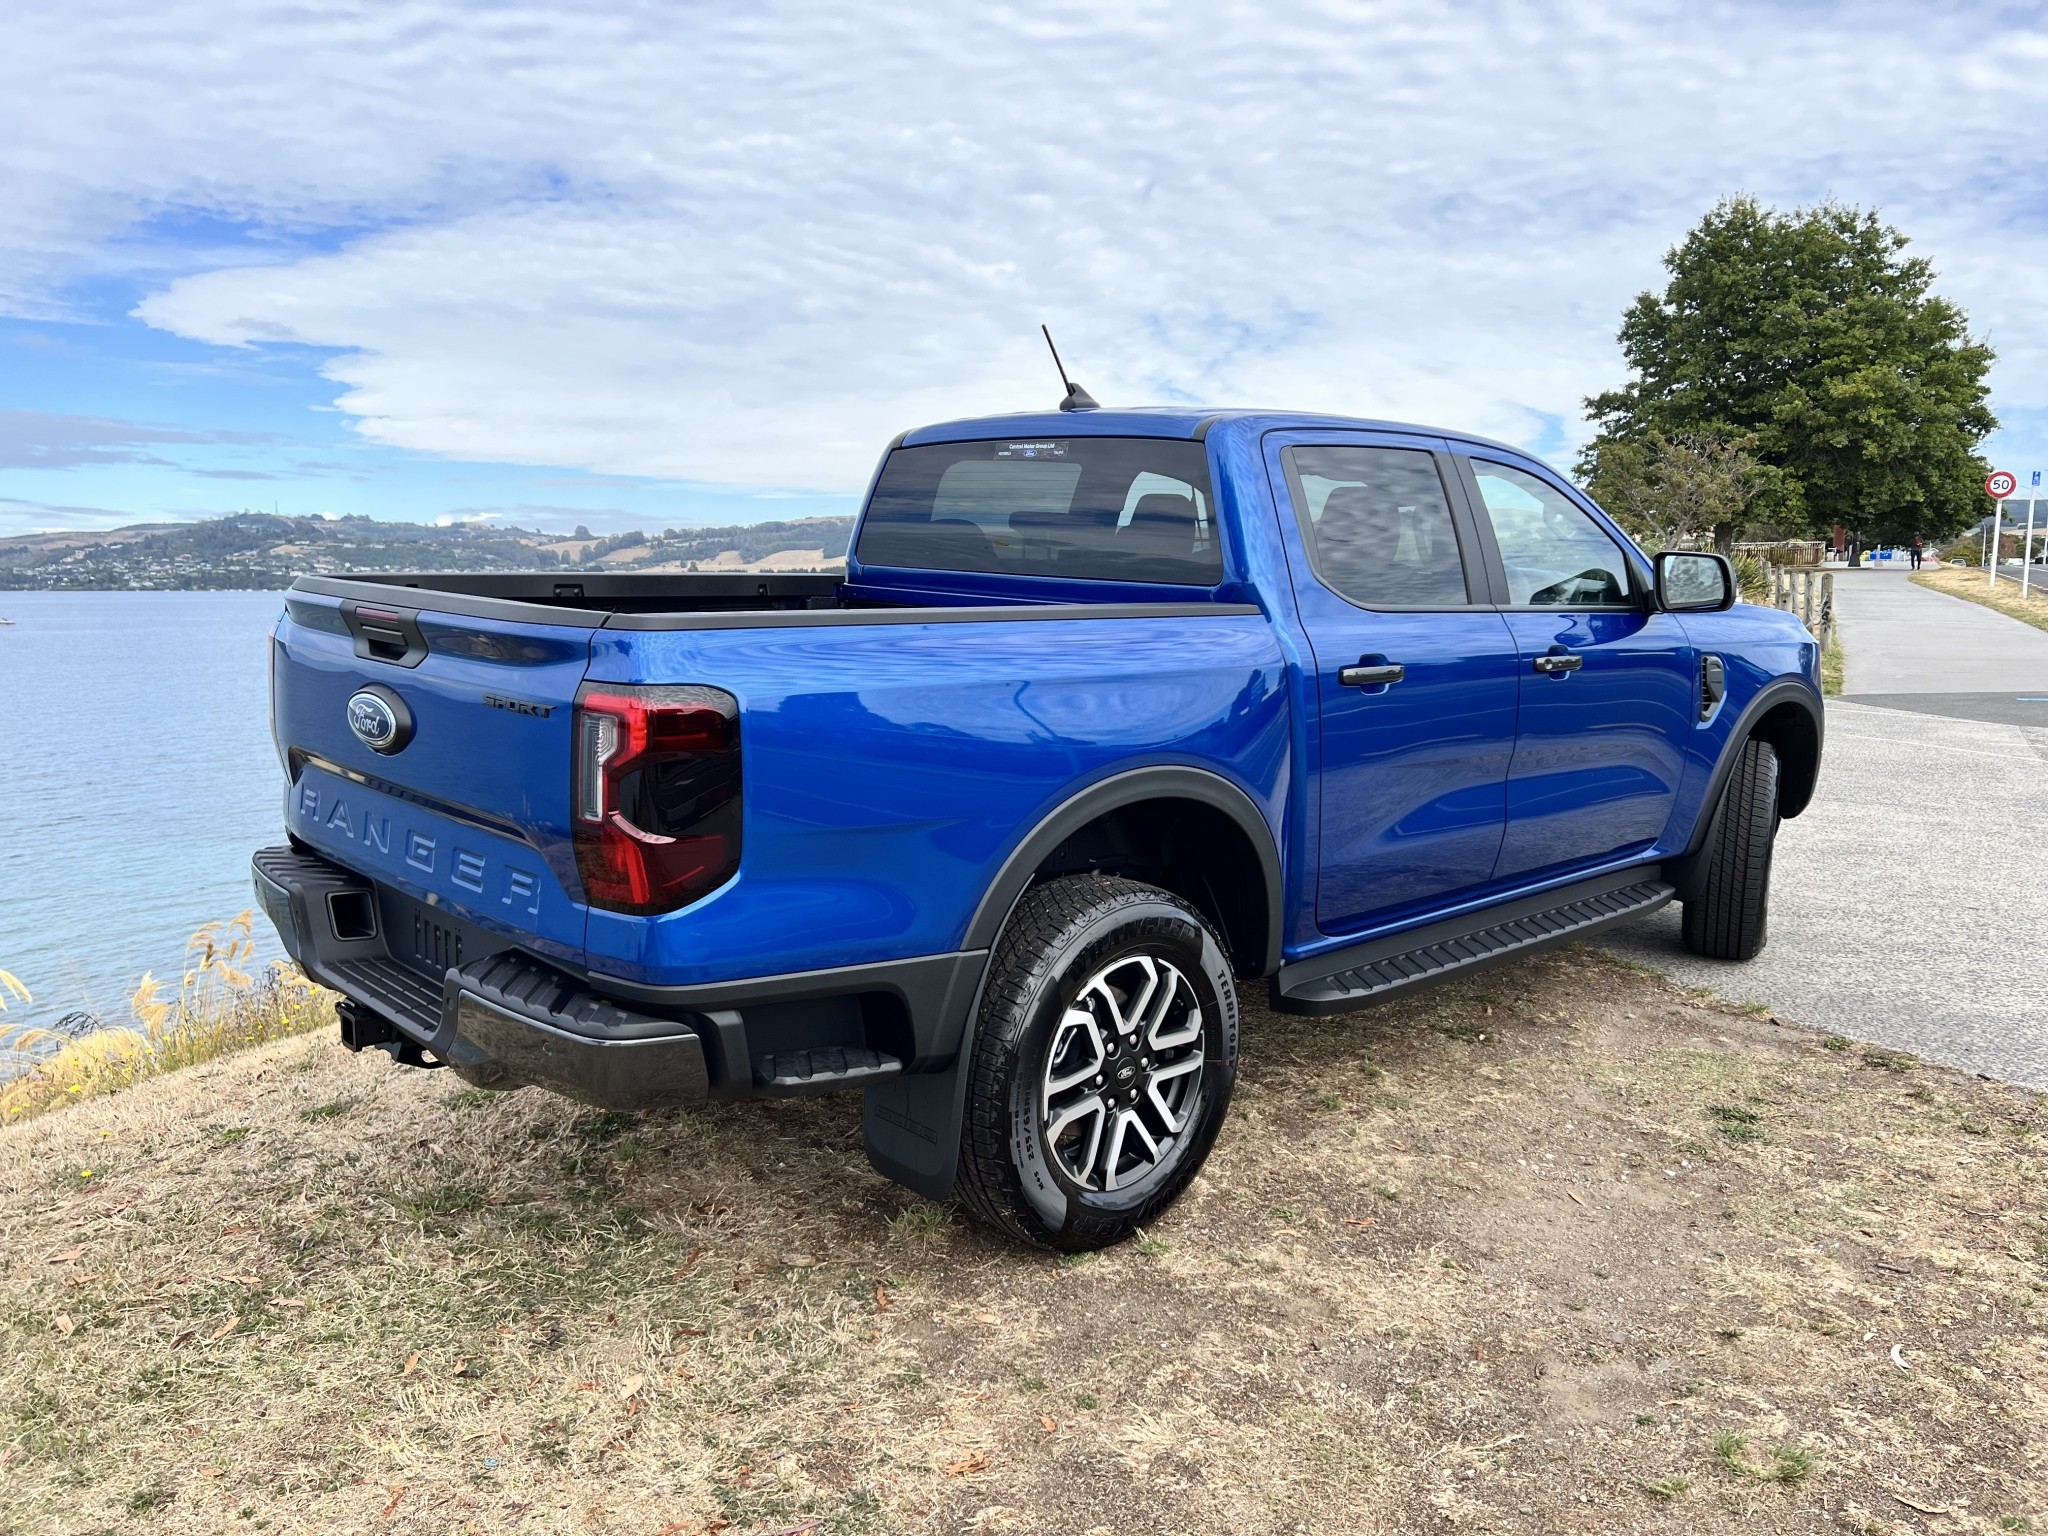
(1806, 600)
(1827, 610)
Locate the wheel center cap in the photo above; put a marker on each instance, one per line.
(1126, 1072)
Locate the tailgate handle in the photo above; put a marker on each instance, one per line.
(385, 634)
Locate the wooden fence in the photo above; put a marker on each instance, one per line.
(1810, 594)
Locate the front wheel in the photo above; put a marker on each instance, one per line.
(1103, 1059)
(1728, 920)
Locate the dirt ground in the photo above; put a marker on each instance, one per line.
(1560, 1249)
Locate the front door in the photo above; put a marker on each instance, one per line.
(1609, 687)
(1415, 685)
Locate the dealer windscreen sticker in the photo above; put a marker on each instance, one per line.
(1031, 450)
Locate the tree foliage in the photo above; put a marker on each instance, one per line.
(1667, 491)
(1813, 341)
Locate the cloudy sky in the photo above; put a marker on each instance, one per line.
(640, 264)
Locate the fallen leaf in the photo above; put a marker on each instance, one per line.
(799, 1260)
(1048, 1422)
(286, 1301)
(212, 1471)
(631, 1386)
(586, 1386)
(972, 1462)
(412, 1362)
(68, 1256)
(64, 1324)
(1286, 1232)
(1925, 1509)
(185, 1338)
(437, 1149)
(224, 1329)
(986, 1317)
(1358, 1221)
(461, 1367)
(1572, 1195)
(881, 1298)
(397, 1493)
(673, 1528)
(72, 1282)
(690, 1263)
(246, 1279)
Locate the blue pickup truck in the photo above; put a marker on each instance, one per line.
(1113, 712)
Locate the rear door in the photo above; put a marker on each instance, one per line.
(1608, 686)
(1415, 684)
(465, 810)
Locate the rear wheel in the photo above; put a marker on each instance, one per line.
(1103, 1060)
(1729, 918)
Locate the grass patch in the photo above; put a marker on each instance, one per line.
(1972, 586)
(726, 1316)
(1786, 1463)
(1832, 665)
(220, 1008)
(1735, 1123)
(1889, 1061)
(333, 1109)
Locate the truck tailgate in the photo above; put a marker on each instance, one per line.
(467, 808)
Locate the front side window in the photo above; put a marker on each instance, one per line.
(1378, 525)
(1083, 508)
(1556, 556)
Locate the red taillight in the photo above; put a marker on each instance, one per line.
(657, 794)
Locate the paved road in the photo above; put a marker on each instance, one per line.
(1909, 905)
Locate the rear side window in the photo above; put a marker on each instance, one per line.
(1378, 525)
(1083, 508)
(1555, 555)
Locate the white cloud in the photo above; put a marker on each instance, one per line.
(747, 245)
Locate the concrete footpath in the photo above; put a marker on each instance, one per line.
(1909, 905)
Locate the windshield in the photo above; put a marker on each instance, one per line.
(1083, 508)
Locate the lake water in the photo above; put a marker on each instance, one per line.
(136, 778)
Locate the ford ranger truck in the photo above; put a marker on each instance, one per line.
(1113, 713)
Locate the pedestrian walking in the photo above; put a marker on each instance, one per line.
(1916, 551)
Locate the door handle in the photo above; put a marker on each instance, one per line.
(1370, 677)
(1559, 664)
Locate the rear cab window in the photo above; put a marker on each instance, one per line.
(1377, 525)
(1134, 509)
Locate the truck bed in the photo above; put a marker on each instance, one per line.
(693, 600)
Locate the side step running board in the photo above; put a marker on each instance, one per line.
(1381, 969)
(822, 1069)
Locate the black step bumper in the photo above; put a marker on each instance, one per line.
(503, 1019)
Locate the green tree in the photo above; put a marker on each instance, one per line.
(1667, 491)
(1813, 340)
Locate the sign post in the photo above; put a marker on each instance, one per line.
(1998, 485)
(2027, 546)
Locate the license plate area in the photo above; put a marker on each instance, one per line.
(431, 939)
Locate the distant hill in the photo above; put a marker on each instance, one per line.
(258, 550)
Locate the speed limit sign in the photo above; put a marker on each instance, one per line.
(2003, 483)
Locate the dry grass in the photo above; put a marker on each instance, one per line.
(1579, 1251)
(219, 1007)
(1975, 587)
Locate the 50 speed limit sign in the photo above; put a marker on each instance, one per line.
(2003, 483)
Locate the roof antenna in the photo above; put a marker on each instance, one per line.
(1078, 399)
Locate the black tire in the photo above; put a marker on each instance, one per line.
(1730, 917)
(1103, 934)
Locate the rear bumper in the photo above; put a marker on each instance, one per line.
(503, 1018)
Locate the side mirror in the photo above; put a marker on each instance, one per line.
(1688, 582)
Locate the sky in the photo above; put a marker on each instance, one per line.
(657, 264)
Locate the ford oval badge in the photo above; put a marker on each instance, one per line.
(379, 719)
